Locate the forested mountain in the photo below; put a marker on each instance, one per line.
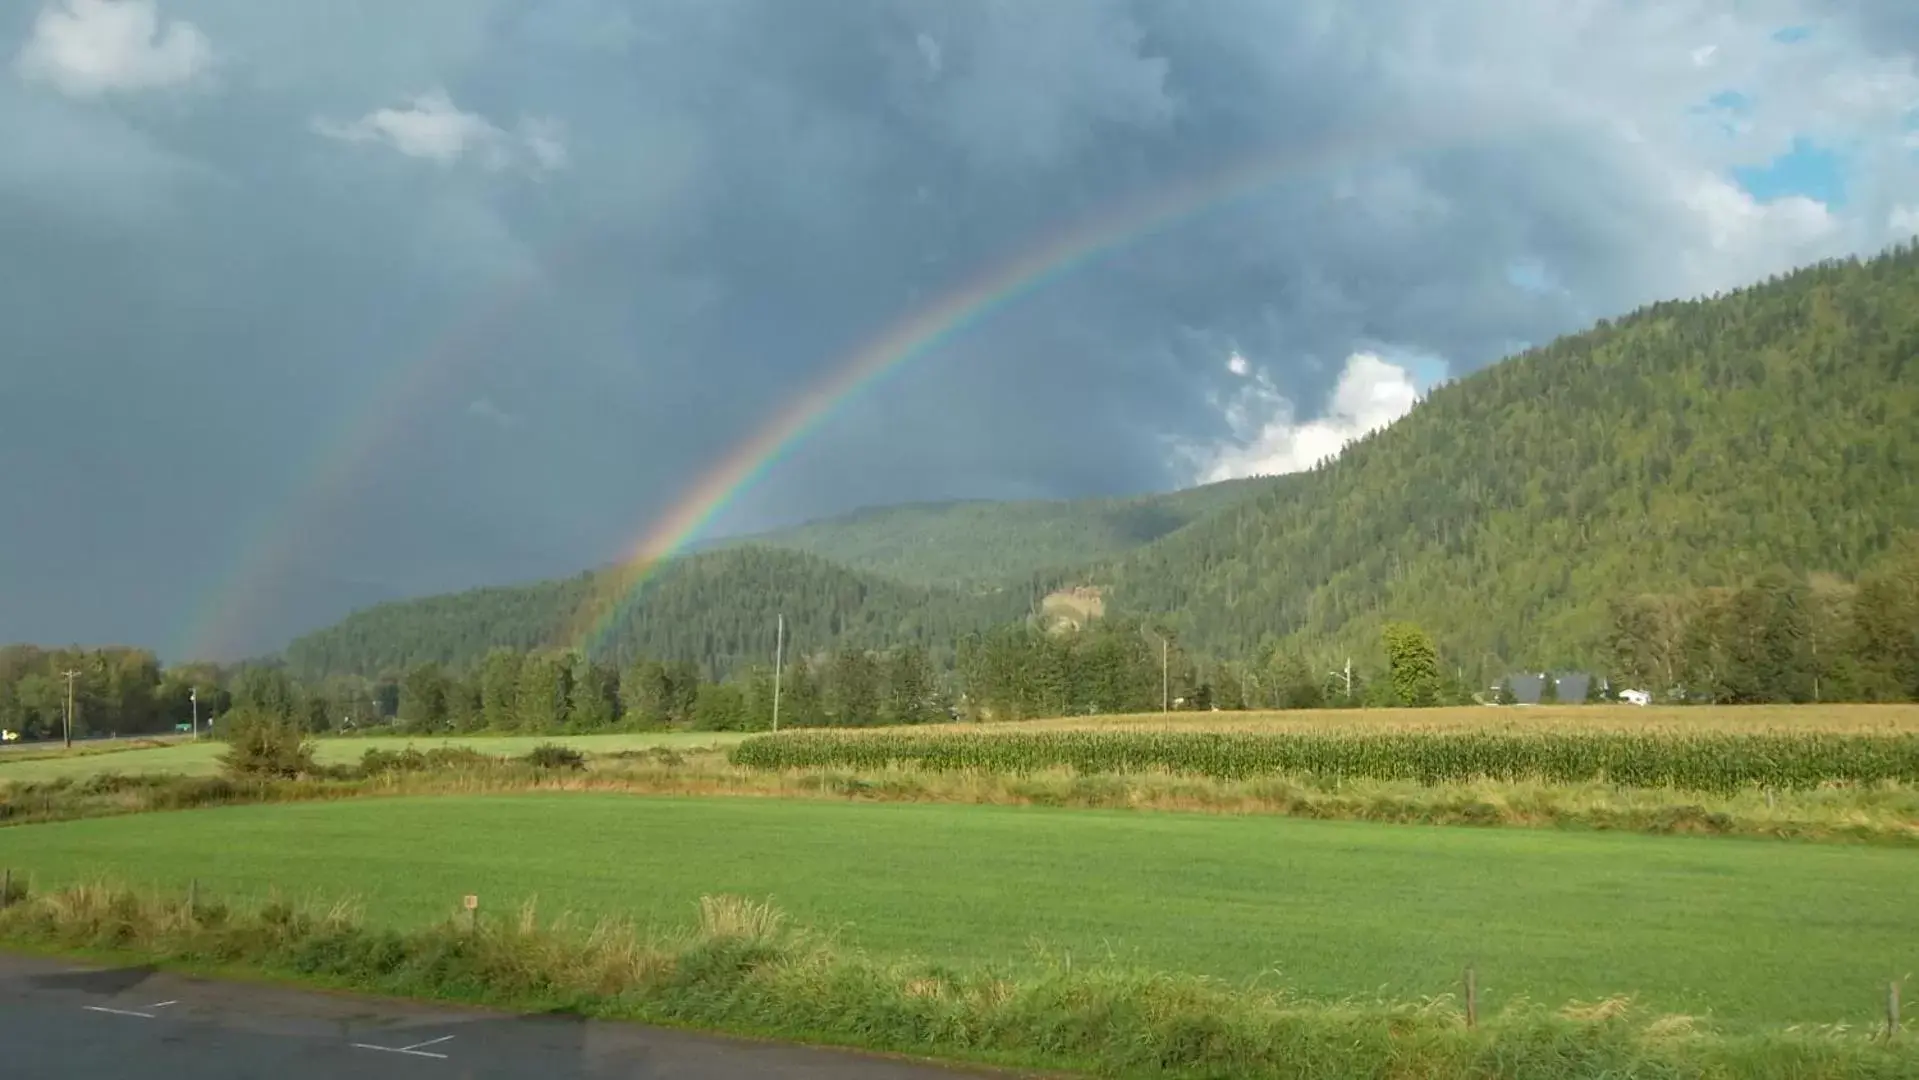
(1689, 444)
(972, 545)
(715, 608)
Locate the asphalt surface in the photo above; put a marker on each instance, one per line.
(59, 1020)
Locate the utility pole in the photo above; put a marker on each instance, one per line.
(779, 657)
(1163, 709)
(1348, 671)
(71, 675)
(193, 695)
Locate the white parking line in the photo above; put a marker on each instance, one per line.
(132, 1012)
(413, 1050)
(117, 1012)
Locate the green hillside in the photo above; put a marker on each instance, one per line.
(1688, 444)
(972, 545)
(717, 608)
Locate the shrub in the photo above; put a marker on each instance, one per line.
(556, 756)
(262, 745)
(376, 762)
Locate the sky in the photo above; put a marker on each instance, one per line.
(306, 306)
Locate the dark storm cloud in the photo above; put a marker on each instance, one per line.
(589, 245)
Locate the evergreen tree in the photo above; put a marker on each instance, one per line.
(646, 695)
(500, 690)
(595, 695)
(853, 689)
(799, 694)
(423, 707)
(463, 707)
(909, 688)
(544, 693)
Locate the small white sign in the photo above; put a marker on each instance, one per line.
(472, 902)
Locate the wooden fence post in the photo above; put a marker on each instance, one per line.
(6, 886)
(1892, 1009)
(193, 897)
(1472, 997)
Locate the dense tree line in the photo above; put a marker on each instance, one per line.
(716, 610)
(1122, 665)
(1016, 670)
(126, 692)
(115, 691)
(1689, 444)
(1778, 638)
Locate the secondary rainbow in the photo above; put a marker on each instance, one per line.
(270, 543)
(913, 336)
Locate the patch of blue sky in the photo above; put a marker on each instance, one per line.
(1808, 169)
(1791, 35)
(1426, 369)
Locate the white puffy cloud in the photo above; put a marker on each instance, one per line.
(1904, 220)
(86, 48)
(1269, 439)
(432, 128)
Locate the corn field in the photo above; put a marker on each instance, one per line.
(1698, 761)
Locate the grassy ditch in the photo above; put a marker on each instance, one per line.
(744, 967)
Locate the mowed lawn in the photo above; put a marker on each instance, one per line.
(201, 758)
(1749, 931)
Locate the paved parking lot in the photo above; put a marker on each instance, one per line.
(60, 1020)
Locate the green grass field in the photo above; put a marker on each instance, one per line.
(200, 759)
(1748, 932)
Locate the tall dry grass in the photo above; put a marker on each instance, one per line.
(1886, 813)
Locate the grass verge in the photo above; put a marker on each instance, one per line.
(744, 967)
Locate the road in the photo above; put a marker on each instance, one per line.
(61, 1020)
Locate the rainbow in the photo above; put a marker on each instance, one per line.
(274, 539)
(914, 336)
